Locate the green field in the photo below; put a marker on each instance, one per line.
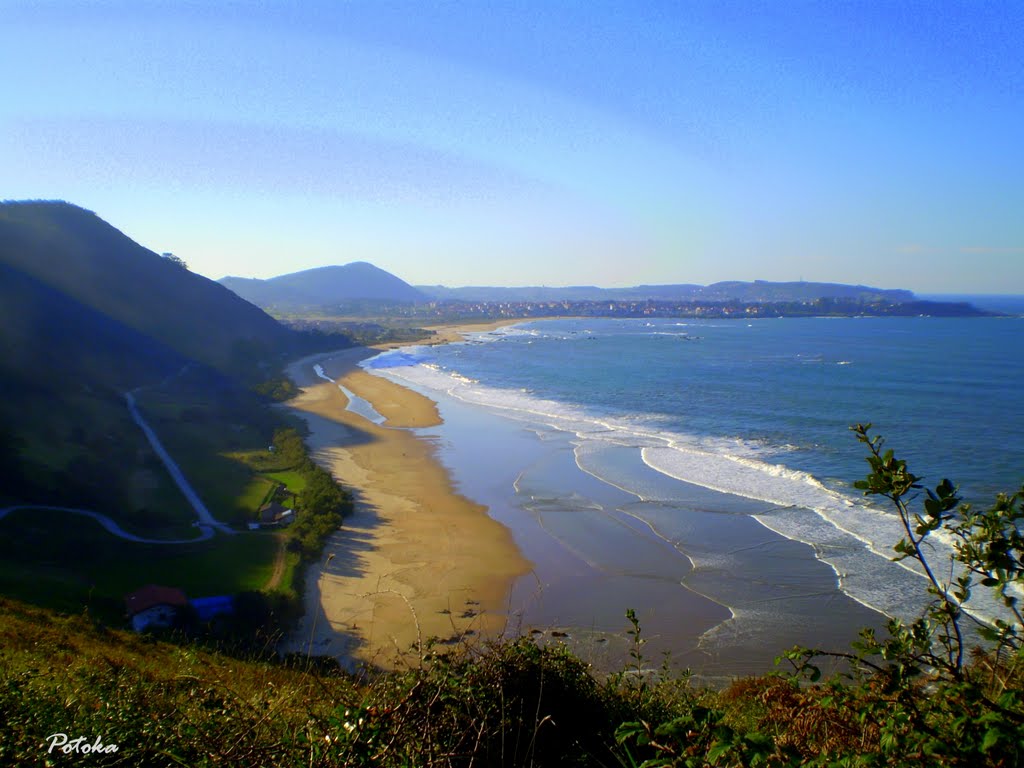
(259, 460)
(100, 462)
(208, 441)
(269, 475)
(256, 493)
(69, 562)
(295, 482)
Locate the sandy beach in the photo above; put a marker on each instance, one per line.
(416, 560)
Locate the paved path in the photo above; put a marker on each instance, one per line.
(205, 518)
(206, 523)
(206, 531)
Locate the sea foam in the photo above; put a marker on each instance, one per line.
(853, 536)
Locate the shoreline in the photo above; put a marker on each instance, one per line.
(712, 582)
(608, 523)
(416, 561)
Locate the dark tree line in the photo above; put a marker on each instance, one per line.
(322, 503)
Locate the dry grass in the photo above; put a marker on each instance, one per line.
(511, 703)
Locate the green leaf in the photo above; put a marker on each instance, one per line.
(718, 750)
(990, 740)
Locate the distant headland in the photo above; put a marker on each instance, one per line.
(361, 289)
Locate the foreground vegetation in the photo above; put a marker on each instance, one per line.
(918, 696)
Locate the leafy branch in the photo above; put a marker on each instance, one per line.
(889, 477)
(922, 691)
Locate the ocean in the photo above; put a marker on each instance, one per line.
(700, 472)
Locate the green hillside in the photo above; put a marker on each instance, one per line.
(67, 430)
(73, 251)
(69, 436)
(87, 316)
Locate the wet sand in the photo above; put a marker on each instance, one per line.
(419, 560)
(416, 561)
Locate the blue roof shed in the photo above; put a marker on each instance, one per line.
(208, 607)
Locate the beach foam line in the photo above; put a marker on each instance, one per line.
(850, 526)
(729, 466)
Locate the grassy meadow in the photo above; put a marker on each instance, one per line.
(512, 703)
(71, 563)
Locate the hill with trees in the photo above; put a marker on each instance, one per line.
(87, 318)
(86, 314)
(73, 251)
(325, 287)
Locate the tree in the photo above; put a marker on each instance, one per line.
(176, 260)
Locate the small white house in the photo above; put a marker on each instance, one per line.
(154, 607)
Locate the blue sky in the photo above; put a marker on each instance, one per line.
(545, 143)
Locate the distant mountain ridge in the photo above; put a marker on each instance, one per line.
(758, 291)
(324, 286)
(1005, 303)
(332, 286)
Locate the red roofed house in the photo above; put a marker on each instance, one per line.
(154, 606)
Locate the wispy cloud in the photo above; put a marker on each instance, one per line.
(914, 249)
(988, 250)
(924, 249)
